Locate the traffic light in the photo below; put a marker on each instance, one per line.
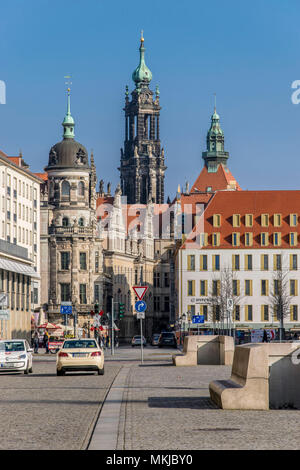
(121, 310)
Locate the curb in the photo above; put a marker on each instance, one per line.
(105, 434)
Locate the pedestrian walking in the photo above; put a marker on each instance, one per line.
(46, 341)
(107, 341)
(36, 342)
(265, 337)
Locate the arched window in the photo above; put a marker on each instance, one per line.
(81, 188)
(65, 189)
(65, 221)
(81, 222)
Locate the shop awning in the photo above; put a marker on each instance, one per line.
(17, 267)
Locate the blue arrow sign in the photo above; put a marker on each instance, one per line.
(66, 309)
(198, 319)
(140, 306)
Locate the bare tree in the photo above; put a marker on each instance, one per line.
(224, 287)
(280, 298)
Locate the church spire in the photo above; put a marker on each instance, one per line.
(142, 74)
(68, 122)
(215, 153)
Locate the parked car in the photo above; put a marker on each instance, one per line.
(15, 355)
(155, 338)
(80, 355)
(136, 341)
(167, 338)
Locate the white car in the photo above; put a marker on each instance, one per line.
(15, 356)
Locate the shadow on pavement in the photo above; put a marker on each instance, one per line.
(200, 403)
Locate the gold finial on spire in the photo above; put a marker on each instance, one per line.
(142, 36)
(215, 101)
(68, 82)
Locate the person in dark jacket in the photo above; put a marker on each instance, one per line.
(36, 342)
(265, 337)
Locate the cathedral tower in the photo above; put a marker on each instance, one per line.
(142, 160)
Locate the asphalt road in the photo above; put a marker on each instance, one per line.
(41, 411)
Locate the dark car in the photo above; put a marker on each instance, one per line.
(167, 339)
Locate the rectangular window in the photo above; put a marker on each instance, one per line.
(236, 220)
(293, 239)
(276, 287)
(215, 288)
(249, 312)
(294, 312)
(166, 279)
(264, 287)
(249, 220)
(82, 293)
(236, 287)
(216, 262)
(191, 288)
(293, 220)
(156, 279)
(203, 288)
(264, 220)
(191, 262)
(216, 313)
(264, 239)
(276, 238)
(235, 239)
(293, 262)
(277, 262)
(191, 309)
(265, 313)
(277, 220)
(167, 304)
(203, 262)
(293, 287)
(216, 239)
(217, 220)
(248, 287)
(82, 257)
(248, 239)
(65, 260)
(264, 262)
(236, 262)
(65, 292)
(97, 293)
(204, 311)
(248, 263)
(96, 261)
(237, 316)
(156, 303)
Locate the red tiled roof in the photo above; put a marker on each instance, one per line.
(227, 203)
(220, 180)
(15, 160)
(43, 176)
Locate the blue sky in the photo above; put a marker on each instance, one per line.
(246, 52)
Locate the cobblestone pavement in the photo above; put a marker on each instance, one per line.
(41, 411)
(165, 407)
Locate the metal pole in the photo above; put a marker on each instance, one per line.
(142, 356)
(112, 327)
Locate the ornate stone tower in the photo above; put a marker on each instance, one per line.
(215, 153)
(74, 247)
(142, 161)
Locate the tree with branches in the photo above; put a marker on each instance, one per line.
(280, 299)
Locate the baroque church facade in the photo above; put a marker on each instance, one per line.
(96, 245)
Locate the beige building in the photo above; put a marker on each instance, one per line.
(19, 247)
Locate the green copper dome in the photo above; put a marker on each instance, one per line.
(215, 128)
(68, 122)
(142, 73)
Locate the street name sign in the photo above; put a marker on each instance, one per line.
(140, 291)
